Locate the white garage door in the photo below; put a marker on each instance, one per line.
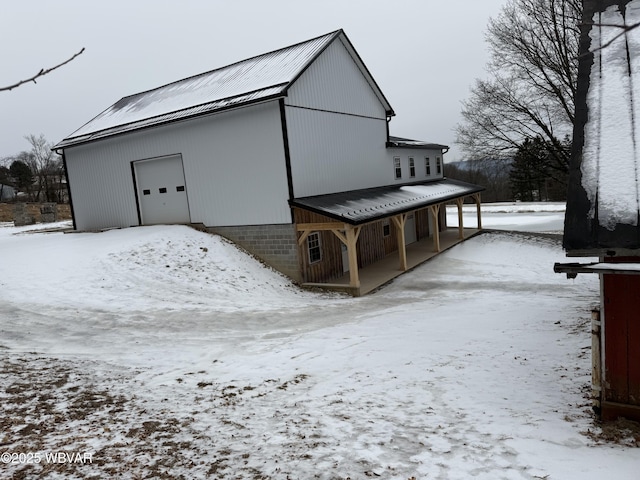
(162, 192)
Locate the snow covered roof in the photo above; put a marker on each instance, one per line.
(604, 194)
(256, 79)
(361, 206)
(408, 143)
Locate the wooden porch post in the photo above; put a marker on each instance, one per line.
(459, 202)
(435, 210)
(350, 239)
(399, 221)
(476, 197)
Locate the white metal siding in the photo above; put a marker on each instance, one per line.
(334, 82)
(234, 169)
(102, 192)
(336, 128)
(332, 152)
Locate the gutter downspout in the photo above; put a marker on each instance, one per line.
(388, 121)
(66, 176)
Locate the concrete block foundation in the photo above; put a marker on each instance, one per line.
(276, 245)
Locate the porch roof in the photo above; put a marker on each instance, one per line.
(409, 143)
(362, 206)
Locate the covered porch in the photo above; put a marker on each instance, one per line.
(383, 271)
(358, 264)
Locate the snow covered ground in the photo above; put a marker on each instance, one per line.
(163, 352)
(515, 216)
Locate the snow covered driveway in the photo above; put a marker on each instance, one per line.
(164, 352)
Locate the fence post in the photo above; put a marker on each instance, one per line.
(596, 360)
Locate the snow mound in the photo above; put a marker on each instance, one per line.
(137, 269)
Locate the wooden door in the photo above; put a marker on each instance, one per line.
(621, 295)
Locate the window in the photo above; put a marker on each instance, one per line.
(427, 164)
(163, 189)
(412, 167)
(313, 245)
(397, 167)
(386, 228)
(438, 165)
(146, 192)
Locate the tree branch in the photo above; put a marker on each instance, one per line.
(625, 29)
(41, 73)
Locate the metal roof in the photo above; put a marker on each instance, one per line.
(253, 80)
(603, 197)
(408, 143)
(362, 206)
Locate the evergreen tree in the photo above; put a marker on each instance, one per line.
(534, 175)
(22, 175)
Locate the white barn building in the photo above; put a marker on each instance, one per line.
(287, 154)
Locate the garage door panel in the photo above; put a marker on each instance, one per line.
(162, 191)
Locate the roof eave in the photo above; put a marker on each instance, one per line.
(389, 112)
(311, 60)
(363, 67)
(426, 146)
(101, 134)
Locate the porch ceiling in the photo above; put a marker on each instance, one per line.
(357, 207)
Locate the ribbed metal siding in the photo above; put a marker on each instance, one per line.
(334, 152)
(337, 140)
(237, 169)
(233, 162)
(335, 83)
(103, 194)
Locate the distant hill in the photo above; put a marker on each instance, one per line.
(491, 164)
(493, 174)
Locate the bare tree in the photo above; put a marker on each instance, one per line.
(41, 73)
(45, 167)
(532, 84)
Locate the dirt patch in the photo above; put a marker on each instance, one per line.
(52, 408)
(87, 420)
(6, 211)
(621, 432)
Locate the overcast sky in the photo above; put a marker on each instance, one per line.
(424, 54)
